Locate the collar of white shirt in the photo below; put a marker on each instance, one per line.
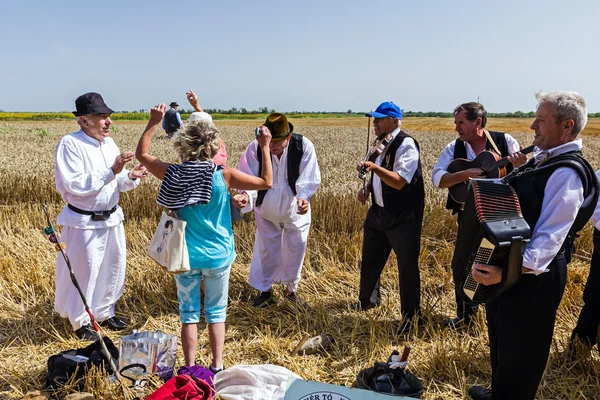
(563, 148)
(89, 139)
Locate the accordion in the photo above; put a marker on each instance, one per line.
(492, 231)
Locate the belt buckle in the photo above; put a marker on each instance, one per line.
(100, 215)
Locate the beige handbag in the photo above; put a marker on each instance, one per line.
(168, 247)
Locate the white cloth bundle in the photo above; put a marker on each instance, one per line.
(250, 382)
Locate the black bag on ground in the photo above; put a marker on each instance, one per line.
(62, 366)
(383, 379)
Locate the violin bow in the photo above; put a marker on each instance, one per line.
(367, 150)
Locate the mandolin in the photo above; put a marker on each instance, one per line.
(489, 162)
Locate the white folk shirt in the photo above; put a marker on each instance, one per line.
(596, 215)
(441, 167)
(84, 179)
(279, 204)
(406, 162)
(563, 196)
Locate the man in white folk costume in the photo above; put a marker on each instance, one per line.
(90, 174)
(282, 213)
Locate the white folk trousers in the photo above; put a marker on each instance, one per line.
(98, 260)
(279, 249)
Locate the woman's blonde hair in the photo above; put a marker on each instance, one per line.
(197, 141)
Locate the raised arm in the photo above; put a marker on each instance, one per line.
(239, 180)
(154, 165)
(193, 100)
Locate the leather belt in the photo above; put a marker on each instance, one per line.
(96, 215)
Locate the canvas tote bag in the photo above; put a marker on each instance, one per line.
(168, 247)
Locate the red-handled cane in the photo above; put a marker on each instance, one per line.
(55, 238)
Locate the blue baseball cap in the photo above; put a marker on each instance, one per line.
(386, 109)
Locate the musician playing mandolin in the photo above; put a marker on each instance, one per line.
(394, 218)
(473, 140)
(558, 192)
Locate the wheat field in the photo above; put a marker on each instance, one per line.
(447, 361)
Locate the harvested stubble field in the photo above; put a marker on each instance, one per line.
(447, 361)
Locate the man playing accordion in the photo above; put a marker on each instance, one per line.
(557, 191)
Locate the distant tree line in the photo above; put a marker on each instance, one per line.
(438, 114)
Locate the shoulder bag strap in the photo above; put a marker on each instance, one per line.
(489, 137)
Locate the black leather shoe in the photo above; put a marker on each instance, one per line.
(480, 393)
(408, 322)
(295, 299)
(114, 324)
(263, 299)
(86, 332)
(456, 322)
(359, 306)
(579, 349)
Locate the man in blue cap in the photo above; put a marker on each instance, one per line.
(395, 216)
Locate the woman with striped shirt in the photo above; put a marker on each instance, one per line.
(199, 191)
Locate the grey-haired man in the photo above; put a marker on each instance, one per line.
(90, 173)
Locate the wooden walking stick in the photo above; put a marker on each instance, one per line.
(55, 238)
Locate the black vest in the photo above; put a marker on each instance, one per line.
(409, 199)
(529, 182)
(460, 151)
(171, 123)
(295, 151)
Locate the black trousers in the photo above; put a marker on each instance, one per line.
(520, 328)
(384, 231)
(589, 319)
(464, 310)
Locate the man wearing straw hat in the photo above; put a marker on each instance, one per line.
(172, 120)
(282, 213)
(90, 174)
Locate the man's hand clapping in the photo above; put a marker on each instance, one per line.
(120, 161)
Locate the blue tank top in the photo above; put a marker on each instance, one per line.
(208, 232)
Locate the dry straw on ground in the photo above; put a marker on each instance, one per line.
(447, 361)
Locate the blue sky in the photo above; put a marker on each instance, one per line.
(305, 56)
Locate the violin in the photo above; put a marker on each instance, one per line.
(377, 147)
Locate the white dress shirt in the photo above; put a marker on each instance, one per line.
(406, 162)
(563, 196)
(441, 167)
(84, 179)
(279, 204)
